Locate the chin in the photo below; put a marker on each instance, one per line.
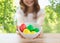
(30, 5)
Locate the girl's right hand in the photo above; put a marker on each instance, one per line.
(20, 35)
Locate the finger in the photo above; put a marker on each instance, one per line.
(37, 37)
(20, 35)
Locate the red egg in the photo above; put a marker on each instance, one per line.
(22, 27)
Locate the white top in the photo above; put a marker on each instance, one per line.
(19, 17)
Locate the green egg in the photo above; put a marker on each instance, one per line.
(36, 30)
(30, 27)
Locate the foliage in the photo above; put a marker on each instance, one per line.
(52, 19)
(6, 15)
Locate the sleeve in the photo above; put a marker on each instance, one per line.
(18, 19)
(41, 16)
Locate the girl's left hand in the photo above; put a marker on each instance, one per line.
(39, 36)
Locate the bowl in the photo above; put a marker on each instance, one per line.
(31, 36)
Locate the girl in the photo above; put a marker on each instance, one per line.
(30, 12)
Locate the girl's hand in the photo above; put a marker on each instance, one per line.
(20, 35)
(39, 36)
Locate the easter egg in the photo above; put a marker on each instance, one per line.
(33, 32)
(30, 27)
(22, 27)
(36, 29)
(26, 31)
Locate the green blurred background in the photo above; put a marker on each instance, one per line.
(51, 23)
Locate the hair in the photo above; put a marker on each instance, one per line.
(35, 6)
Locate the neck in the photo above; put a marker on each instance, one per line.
(30, 9)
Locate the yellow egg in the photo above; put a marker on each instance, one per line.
(26, 31)
(33, 32)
